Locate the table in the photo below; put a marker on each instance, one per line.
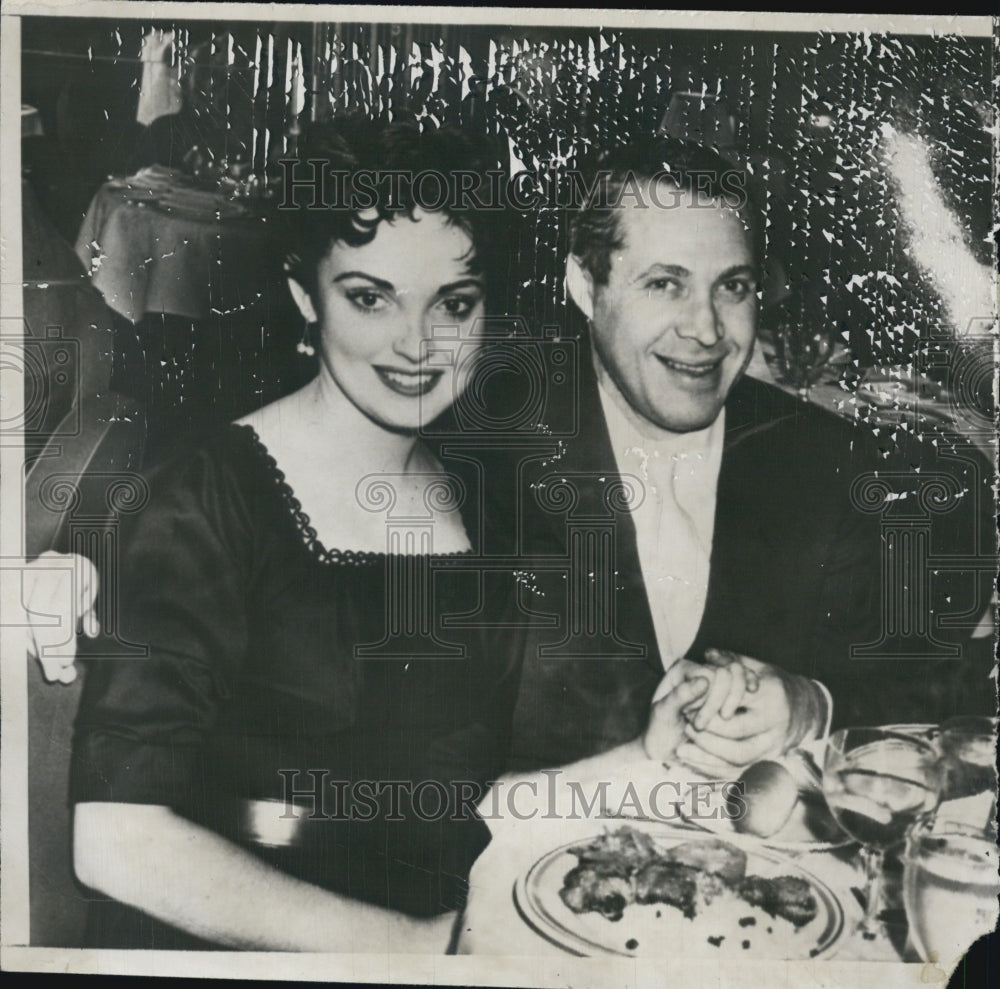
(890, 400)
(153, 243)
(492, 925)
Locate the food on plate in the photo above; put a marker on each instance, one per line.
(786, 896)
(668, 882)
(596, 887)
(602, 882)
(712, 856)
(624, 866)
(625, 847)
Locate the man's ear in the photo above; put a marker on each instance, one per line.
(580, 284)
(303, 300)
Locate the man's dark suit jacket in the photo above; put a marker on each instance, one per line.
(796, 571)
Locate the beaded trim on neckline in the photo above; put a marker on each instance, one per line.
(347, 557)
(310, 538)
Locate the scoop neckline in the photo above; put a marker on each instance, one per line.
(303, 524)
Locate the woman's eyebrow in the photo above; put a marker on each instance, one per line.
(377, 282)
(461, 283)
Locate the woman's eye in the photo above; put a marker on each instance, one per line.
(458, 305)
(367, 300)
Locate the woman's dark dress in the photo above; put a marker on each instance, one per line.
(252, 689)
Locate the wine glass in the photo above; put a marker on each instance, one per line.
(877, 783)
(802, 351)
(968, 752)
(949, 888)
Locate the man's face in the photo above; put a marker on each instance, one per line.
(673, 328)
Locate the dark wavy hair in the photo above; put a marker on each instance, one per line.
(594, 229)
(363, 159)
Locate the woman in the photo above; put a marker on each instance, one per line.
(253, 574)
(277, 773)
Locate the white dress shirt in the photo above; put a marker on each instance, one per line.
(674, 522)
(675, 519)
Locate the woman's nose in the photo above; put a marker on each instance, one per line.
(408, 343)
(701, 322)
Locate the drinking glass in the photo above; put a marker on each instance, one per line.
(949, 888)
(877, 782)
(802, 352)
(968, 753)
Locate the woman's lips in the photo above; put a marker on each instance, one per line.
(412, 384)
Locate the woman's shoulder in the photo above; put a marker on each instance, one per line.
(223, 452)
(225, 476)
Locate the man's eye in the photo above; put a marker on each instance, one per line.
(659, 285)
(738, 289)
(367, 300)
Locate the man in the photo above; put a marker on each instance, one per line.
(742, 546)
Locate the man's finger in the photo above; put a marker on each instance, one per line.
(720, 657)
(721, 683)
(674, 676)
(734, 662)
(702, 762)
(737, 691)
(747, 724)
(666, 721)
(721, 748)
(743, 751)
(685, 693)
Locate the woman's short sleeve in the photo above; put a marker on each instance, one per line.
(177, 593)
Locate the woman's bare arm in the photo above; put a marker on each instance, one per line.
(179, 872)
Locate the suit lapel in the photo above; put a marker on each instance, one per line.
(747, 514)
(748, 511)
(589, 456)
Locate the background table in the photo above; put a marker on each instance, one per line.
(892, 400)
(153, 244)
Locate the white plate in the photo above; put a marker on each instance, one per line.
(648, 930)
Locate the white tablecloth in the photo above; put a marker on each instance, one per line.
(147, 253)
(492, 924)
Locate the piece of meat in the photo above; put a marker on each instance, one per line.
(709, 887)
(789, 897)
(712, 856)
(625, 848)
(668, 882)
(591, 887)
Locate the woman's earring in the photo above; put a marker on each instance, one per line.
(304, 346)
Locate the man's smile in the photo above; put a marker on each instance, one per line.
(694, 369)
